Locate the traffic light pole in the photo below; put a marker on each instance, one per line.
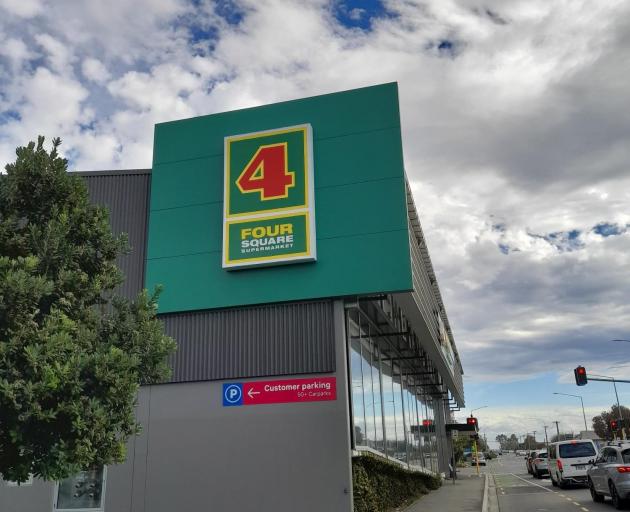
(476, 456)
(614, 381)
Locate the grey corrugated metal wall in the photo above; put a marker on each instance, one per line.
(126, 194)
(280, 339)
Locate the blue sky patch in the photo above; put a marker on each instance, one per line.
(229, 11)
(9, 115)
(447, 47)
(563, 241)
(359, 13)
(608, 229)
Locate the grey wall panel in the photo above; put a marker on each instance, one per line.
(265, 458)
(126, 194)
(37, 497)
(278, 339)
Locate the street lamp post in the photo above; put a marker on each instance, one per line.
(582, 401)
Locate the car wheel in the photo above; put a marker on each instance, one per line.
(597, 498)
(561, 483)
(553, 482)
(617, 502)
(535, 474)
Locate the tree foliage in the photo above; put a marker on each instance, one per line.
(601, 422)
(72, 353)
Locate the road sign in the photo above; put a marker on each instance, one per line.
(232, 394)
(316, 389)
(463, 429)
(268, 216)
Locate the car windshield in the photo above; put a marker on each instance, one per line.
(625, 456)
(569, 451)
(542, 455)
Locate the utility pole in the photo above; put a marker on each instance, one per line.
(534, 432)
(557, 429)
(546, 440)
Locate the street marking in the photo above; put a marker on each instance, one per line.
(575, 503)
(584, 509)
(532, 483)
(560, 494)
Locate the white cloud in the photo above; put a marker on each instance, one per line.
(22, 8)
(95, 71)
(60, 56)
(16, 51)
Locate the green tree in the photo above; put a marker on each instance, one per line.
(72, 353)
(601, 422)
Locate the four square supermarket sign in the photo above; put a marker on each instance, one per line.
(269, 210)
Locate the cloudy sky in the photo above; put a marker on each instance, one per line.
(516, 133)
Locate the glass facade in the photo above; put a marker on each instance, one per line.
(390, 411)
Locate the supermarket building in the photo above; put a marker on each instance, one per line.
(299, 289)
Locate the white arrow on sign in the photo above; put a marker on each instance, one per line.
(251, 393)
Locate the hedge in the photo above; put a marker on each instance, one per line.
(381, 486)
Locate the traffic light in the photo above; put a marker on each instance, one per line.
(614, 425)
(580, 376)
(472, 421)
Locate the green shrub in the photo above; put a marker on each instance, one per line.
(379, 485)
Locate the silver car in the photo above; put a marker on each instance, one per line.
(540, 464)
(610, 475)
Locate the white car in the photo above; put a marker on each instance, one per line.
(569, 461)
(481, 458)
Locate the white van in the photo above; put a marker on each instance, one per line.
(569, 461)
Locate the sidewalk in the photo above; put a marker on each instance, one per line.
(465, 496)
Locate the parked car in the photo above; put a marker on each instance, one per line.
(481, 458)
(569, 461)
(529, 457)
(610, 475)
(540, 465)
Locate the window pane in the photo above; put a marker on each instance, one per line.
(83, 491)
(376, 395)
(389, 411)
(368, 398)
(573, 450)
(400, 452)
(357, 385)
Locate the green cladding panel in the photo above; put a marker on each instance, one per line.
(359, 201)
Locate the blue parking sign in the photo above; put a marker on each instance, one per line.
(232, 394)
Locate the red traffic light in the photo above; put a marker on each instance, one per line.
(471, 421)
(613, 425)
(426, 423)
(581, 379)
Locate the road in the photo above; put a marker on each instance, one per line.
(518, 491)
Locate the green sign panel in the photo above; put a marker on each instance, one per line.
(268, 215)
(213, 213)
